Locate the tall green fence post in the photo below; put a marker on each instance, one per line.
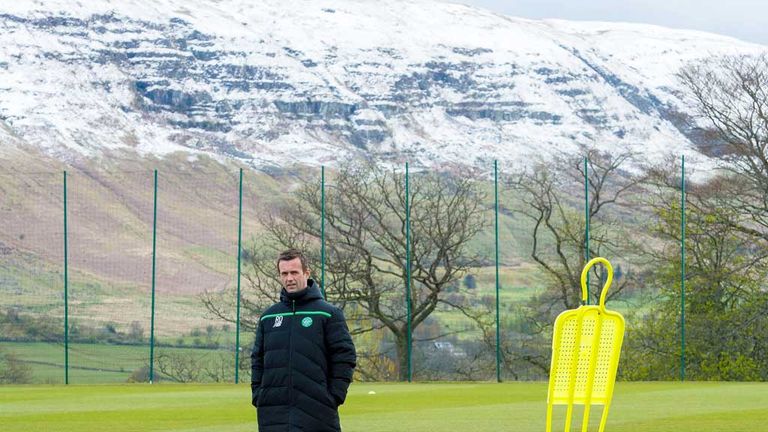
(239, 254)
(682, 271)
(322, 229)
(154, 259)
(66, 287)
(586, 218)
(496, 237)
(408, 267)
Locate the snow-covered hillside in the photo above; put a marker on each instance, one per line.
(272, 82)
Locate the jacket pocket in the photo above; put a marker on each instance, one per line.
(260, 397)
(331, 400)
(255, 398)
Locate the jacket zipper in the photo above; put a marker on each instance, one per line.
(290, 365)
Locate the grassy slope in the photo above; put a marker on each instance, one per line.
(668, 407)
(110, 236)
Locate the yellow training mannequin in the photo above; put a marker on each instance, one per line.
(585, 355)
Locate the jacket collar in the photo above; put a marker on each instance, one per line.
(311, 292)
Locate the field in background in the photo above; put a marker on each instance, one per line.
(104, 363)
(479, 407)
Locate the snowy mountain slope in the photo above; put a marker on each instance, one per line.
(273, 82)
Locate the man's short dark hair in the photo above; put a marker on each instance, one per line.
(292, 254)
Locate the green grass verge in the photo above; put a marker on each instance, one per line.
(479, 407)
(97, 363)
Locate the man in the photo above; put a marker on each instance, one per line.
(303, 356)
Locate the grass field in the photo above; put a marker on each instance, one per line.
(482, 407)
(97, 363)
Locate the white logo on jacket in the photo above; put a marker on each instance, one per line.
(278, 321)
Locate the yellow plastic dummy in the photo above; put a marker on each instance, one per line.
(585, 355)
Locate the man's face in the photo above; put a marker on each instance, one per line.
(293, 277)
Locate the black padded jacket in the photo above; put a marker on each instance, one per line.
(301, 364)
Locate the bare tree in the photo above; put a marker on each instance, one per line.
(550, 196)
(558, 239)
(367, 257)
(728, 257)
(730, 95)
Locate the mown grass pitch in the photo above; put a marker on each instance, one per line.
(480, 407)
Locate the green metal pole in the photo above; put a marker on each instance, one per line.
(408, 266)
(239, 254)
(66, 288)
(682, 273)
(154, 258)
(322, 229)
(496, 213)
(586, 217)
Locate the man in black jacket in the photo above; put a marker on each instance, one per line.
(303, 357)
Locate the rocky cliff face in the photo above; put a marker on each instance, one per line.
(312, 82)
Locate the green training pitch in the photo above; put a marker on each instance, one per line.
(475, 407)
